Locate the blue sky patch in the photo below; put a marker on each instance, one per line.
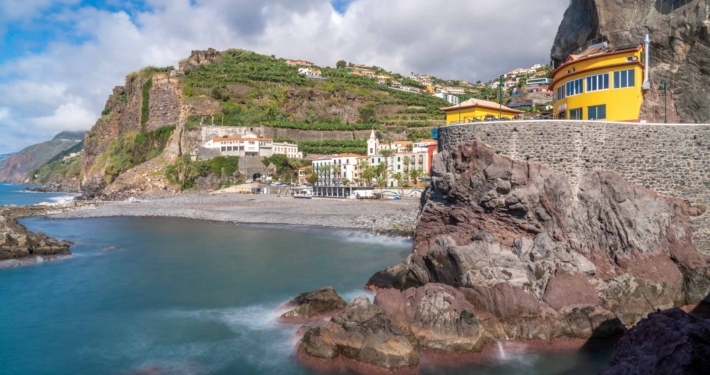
(341, 6)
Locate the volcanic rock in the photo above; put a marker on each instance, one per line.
(311, 304)
(364, 333)
(437, 316)
(670, 342)
(540, 257)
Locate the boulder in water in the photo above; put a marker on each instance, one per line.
(362, 332)
(310, 305)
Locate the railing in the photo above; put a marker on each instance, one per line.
(491, 118)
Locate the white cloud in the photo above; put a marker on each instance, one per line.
(65, 86)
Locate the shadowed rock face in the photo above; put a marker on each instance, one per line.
(311, 304)
(362, 332)
(680, 47)
(538, 257)
(671, 342)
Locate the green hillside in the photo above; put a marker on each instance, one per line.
(257, 89)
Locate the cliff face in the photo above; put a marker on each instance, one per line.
(679, 54)
(17, 167)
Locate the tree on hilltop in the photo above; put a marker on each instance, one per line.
(341, 64)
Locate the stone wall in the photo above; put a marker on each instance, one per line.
(673, 160)
(164, 103)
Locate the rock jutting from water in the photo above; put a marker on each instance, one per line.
(324, 302)
(364, 333)
(511, 250)
(16, 242)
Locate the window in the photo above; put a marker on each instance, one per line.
(597, 112)
(562, 116)
(624, 78)
(598, 82)
(575, 87)
(561, 92)
(575, 114)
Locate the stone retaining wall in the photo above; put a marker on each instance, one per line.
(673, 160)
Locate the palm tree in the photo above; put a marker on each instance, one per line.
(336, 171)
(325, 170)
(399, 177)
(407, 160)
(415, 174)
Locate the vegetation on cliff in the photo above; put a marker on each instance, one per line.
(185, 171)
(133, 149)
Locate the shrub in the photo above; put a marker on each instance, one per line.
(145, 108)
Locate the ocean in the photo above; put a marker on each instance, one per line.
(14, 194)
(194, 297)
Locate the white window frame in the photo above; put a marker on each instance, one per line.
(572, 84)
(560, 92)
(587, 81)
(633, 74)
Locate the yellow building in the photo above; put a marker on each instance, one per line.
(600, 84)
(431, 89)
(473, 110)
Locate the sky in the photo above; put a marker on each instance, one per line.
(60, 59)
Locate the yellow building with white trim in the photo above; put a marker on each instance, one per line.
(473, 110)
(600, 84)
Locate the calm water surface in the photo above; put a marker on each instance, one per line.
(13, 194)
(192, 297)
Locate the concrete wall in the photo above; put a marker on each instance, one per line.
(673, 160)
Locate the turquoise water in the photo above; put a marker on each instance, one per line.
(192, 297)
(13, 194)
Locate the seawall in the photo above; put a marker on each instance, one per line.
(672, 159)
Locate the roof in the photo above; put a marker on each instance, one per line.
(241, 139)
(428, 141)
(402, 142)
(594, 52)
(472, 103)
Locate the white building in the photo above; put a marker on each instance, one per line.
(453, 99)
(423, 145)
(455, 90)
(252, 145)
(310, 72)
(335, 169)
(288, 149)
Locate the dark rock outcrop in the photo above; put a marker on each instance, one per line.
(16, 242)
(362, 332)
(680, 47)
(313, 304)
(538, 256)
(671, 342)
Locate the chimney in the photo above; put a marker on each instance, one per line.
(646, 63)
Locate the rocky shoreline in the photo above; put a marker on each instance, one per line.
(19, 246)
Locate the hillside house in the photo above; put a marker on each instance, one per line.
(251, 145)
